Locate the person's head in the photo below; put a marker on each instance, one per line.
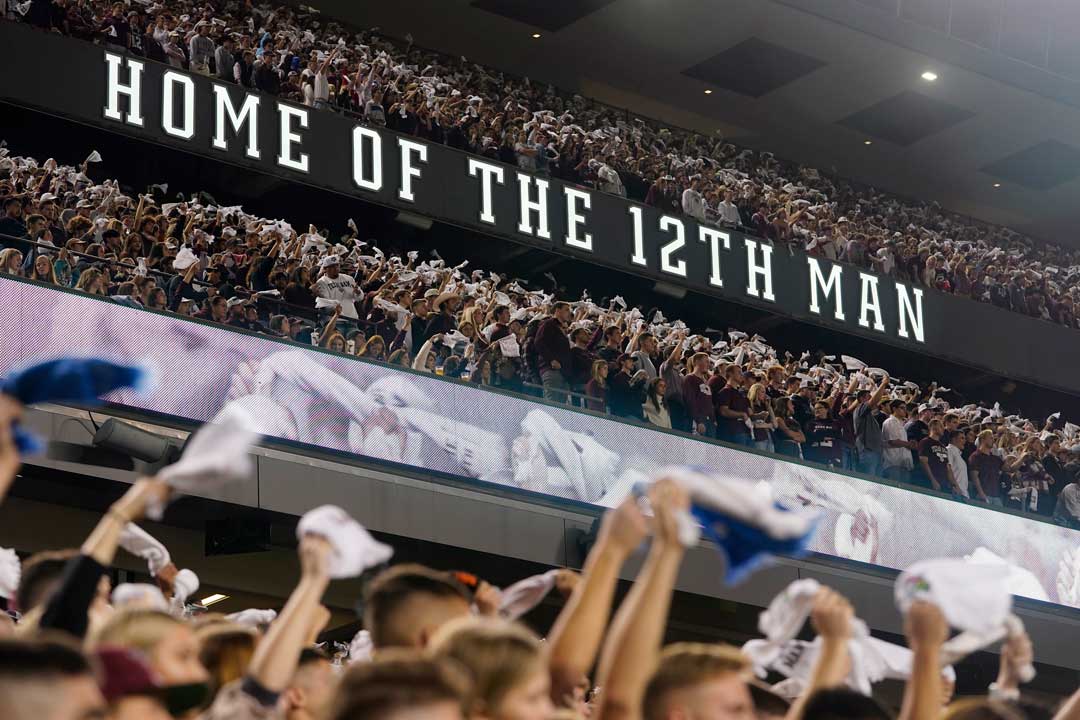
(985, 440)
(843, 704)
(562, 312)
(782, 407)
(312, 687)
(47, 680)
(699, 681)
(625, 363)
(401, 685)
(374, 348)
(700, 363)
(41, 575)
(219, 308)
(734, 375)
(35, 224)
(134, 693)
(580, 337)
(899, 410)
(757, 395)
(821, 410)
(957, 438)
(506, 663)
(936, 428)
(420, 308)
(647, 342)
(399, 357)
(13, 207)
(657, 389)
(599, 370)
(11, 261)
(336, 342)
(952, 421)
(225, 649)
(405, 605)
(502, 314)
(613, 336)
(169, 645)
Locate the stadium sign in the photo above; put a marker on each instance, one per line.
(505, 200)
(222, 121)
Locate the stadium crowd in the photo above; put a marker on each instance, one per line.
(296, 53)
(448, 646)
(223, 265)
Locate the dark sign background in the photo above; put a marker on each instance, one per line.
(69, 79)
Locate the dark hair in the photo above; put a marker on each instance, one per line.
(843, 704)
(38, 573)
(22, 660)
(388, 591)
(396, 680)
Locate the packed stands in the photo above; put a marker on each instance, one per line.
(298, 54)
(223, 265)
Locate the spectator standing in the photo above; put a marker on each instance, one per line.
(224, 62)
(957, 466)
(788, 436)
(761, 416)
(596, 388)
(553, 350)
(733, 408)
(626, 390)
(697, 397)
(984, 468)
(896, 453)
(868, 430)
(201, 49)
(824, 439)
(338, 289)
(934, 458)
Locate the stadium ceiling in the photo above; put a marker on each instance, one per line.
(995, 136)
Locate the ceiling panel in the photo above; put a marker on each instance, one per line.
(754, 67)
(906, 118)
(1040, 167)
(551, 15)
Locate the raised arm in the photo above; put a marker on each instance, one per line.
(575, 638)
(633, 645)
(926, 631)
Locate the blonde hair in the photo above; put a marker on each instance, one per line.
(139, 630)
(498, 654)
(684, 665)
(225, 649)
(980, 709)
(756, 390)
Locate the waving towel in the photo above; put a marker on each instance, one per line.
(10, 573)
(742, 518)
(142, 544)
(524, 595)
(354, 550)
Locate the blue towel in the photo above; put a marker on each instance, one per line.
(75, 380)
(742, 518)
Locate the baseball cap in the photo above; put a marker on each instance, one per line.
(124, 674)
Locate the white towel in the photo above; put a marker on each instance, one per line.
(524, 595)
(252, 617)
(185, 584)
(139, 596)
(10, 573)
(216, 455)
(142, 544)
(361, 648)
(354, 550)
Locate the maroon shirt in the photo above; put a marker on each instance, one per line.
(733, 399)
(988, 466)
(698, 399)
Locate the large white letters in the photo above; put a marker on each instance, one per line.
(574, 219)
(870, 302)
(527, 206)
(362, 138)
(169, 82)
(408, 170)
(486, 172)
(907, 314)
(754, 271)
(667, 224)
(249, 113)
(817, 280)
(285, 157)
(132, 91)
(714, 238)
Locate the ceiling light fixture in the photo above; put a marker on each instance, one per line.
(867, 142)
(211, 599)
(997, 185)
(708, 92)
(929, 76)
(536, 36)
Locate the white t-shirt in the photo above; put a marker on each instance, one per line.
(893, 429)
(959, 469)
(729, 213)
(693, 204)
(322, 87)
(341, 289)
